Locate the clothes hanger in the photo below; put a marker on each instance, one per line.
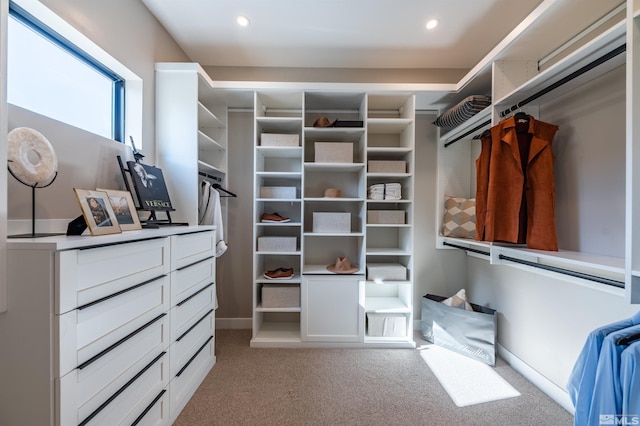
(622, 341)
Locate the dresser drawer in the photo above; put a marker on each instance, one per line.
(190, 376)
(91, 329)
(188, 279)
(86, 275)
(191, 309)
(124, 400)
(188, 343)
(113, 368)
(190, 248)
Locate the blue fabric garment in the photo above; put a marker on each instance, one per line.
(582, 378)
(630, 382)
(607, 390)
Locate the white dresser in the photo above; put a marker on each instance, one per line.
(107, 330)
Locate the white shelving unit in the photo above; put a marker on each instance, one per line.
(512, 83)
(333, 307)
(188, 111)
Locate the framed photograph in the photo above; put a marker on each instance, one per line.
(150, 187)
(124, 209)
(97, 212)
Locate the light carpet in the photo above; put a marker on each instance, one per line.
(466, 380)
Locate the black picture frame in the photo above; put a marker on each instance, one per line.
(150, 188)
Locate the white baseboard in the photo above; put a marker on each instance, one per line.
(233, 323)
(552, 390)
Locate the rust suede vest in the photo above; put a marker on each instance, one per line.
(505, 181)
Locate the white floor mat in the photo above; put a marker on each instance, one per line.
(467, 381)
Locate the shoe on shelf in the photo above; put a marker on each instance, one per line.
(279, 274)
(273, 218)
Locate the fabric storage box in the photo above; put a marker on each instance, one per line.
(470, 333)
(385, 217)
(279, 139)
(280, 296)
(333, 152)
(277, 192)
(331, 222)
(386, 271)
(386, 325)
(277, 243)
(377, 166)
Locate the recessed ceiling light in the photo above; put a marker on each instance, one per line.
(243, 21)
(432, 23)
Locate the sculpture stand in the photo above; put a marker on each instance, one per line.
(33, 233)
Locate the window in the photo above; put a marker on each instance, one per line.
(49, 75)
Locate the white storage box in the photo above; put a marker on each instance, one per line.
(331, 222)
(280, 296)
(386, 271)
(375, 166)
(334, 152)
(386, 325)
(279, 139)
(385, 217)
(277, 192)
(277, 243)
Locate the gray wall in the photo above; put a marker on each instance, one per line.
(128, 32)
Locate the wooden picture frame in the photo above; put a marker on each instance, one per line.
(97, 212)
(123, 208)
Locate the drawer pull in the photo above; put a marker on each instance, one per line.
(194, 325)
(195, 263)
(194, 294)
(193, 357)
(146, 410)
(119, 391)
(118, 343)
(118, 293)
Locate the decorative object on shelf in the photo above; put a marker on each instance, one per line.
(323, 122)
(148, 182)
(348, 123)
(462, 111)
(385, 191)
(273, 218)
(343, 266)
(332, 193)
(151, 192)
(280, 296)
(279, 139)
(279, 274)
(328, 222)
(459, 219)
(137, 155)
(333, 152)
(32, 161)
(97, 211)
(124, 209)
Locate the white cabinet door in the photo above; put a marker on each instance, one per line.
(332, 309)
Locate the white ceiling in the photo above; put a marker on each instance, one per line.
(339, 33)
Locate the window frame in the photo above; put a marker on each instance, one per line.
(118, 83)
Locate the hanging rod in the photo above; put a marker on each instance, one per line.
(212, 177)
(466, 248)
(218, 186)
(604, 58)
(576, 274)
(478, 127)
